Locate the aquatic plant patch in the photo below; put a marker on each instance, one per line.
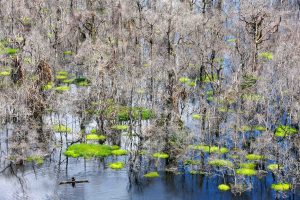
(116, 165)
(196, 116)
(223, 187)
(62, 88)
(88, 150)
(39, 160)
(283, 131)
(246, 172)
(266, 55)
(220, 163)
(95, 137)
(248, 81)
(184, 80)
(210, 149)
(61, 129)
(247, 165)
(160, 155)
(49, 86)
(124, 112)
(192, 162)
(209, 78)
(151, 175)
(254, 157)
(281, 186)
(119, 152)
(120, 127)
(274, 167)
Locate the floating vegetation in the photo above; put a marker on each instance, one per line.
(192, 83)
(246, 172)
(259, 128)
(283, 131)
(252, 97)
(136, 113)
(39, 160)
(61, 129)
(151, 175)
(220, 163)
(120, 127)
(274, 167)
(210, 95)
(61, 75)
(49, 86)
(245, 128)
(117, 165)
(82, 81)
(281, 186)
(192, 162)
(11, 51)
(184, 80)
(209, 78)
(210, 149)
(247, 165)
(95, 137)
(231, 40)
(67, 53)
(223, 187)
(62, 88)
(88, 150)
(5, 72)
(160, 155)
(254, 157)
(252, 128)
(68, 81)
(196, 116)
(194, 172)
(119, 152)
(266, 55)
(248, 81)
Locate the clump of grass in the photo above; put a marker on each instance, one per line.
(254, 157)
(95, 137)
(61, 129)
(210, 149)
(120, 127)
(246, 172)
(266, 55)
(5, 72)
(151, 175)
(194, 172)
(283, 131)
(220, 163)
(117, 165)
(12, 51)
(281, 186)
(184, 80)
(252, 97)
(123, 113)
(88, 150)
(67, 52)
(160, 155)
(192, 162)
(259, 128)
(119, 152)
(248, 81)
(49, 86)
(223, 187)
(274, 167)
(39, 160)
(209, 78)
(247, 165)
(61, 75)
(196, 116)
(62, 88)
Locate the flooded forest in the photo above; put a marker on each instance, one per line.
(149, 99)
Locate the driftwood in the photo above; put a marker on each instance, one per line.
(73, 182)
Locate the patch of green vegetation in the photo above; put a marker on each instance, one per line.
(95, 137)
(252, 128)
(62, 88)
(210, 149)
(252, 97)
(184, 80)
(220, 163)
(281, 186)
(196, 116)
(117, 165)
(246, 172)
(266, 55)
(151, 175)
(82, 81)
(194, 172)
(192, 83)
(231, 40)
(119, 152)
(123, 113)
(4, 73)
(61, 75)
(39, 160)
(192, 162)
(160, 155)
(49, 86)
(259, 128)
(120, 127)
(11, 51)
(67, 81)
(67, 53)
(61, 129)
(223, 109)
(274, 167)
(247, 165)
(209, 78)
(248, 81)
(254, 157)
(223, 187)
(88, 150)
(283, 131)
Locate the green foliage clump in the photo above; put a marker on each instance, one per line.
(88, 150)
(252, 128)
(11, 51)
(274, 167)
(254, 157)
(119, 152)
(160, 155)
(192, 162)
(39, 160)
(120, 127)
(49, 86)
(95, 137)
(283, 131)
(196, 116)
(223, 187)
(67, 81)
(61, 75)
(247, 165)
(246, 172)
(194, 172)
(281, 186)
(259, 128)
(151, 175)
(62, 88)
(61, 129)
(82, 81)
(210, 149)
(5, 72)
(184, 80)
(67, 52)
(220, 163)
(266, 55)
(123, 113)
(252, 97)
(117, 165)
(248, 81)
(209, 78)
